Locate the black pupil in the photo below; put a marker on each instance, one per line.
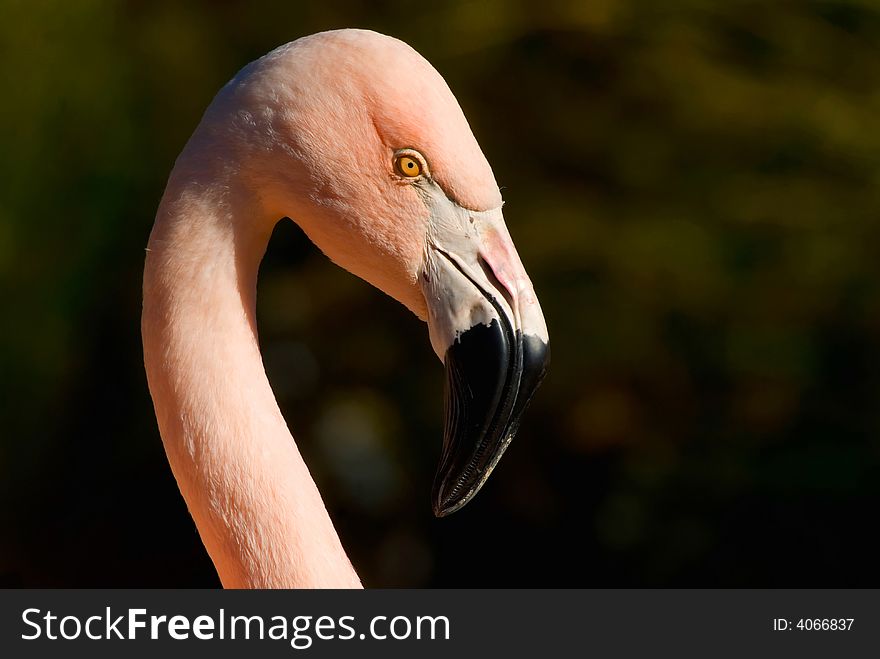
(410, 165)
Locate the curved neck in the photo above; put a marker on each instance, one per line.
(253, 500)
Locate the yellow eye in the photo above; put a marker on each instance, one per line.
(408, 166)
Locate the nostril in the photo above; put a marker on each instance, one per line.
(496, 283)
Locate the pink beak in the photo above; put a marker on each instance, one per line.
(487, 326)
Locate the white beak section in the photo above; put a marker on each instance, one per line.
(470, 259)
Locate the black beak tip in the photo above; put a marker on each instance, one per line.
(442, 509)
(492, 373)
(446, 508)
(444, 502)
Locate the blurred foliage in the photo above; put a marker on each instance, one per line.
(693, 187)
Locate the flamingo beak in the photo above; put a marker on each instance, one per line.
(486, 325)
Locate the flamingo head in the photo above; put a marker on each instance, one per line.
(358, 138)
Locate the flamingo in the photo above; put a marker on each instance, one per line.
(359, 140)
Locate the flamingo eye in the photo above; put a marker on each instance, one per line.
(408, 166)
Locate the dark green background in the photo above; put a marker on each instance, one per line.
(693, 187)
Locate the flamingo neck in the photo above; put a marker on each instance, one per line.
(253, 500)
